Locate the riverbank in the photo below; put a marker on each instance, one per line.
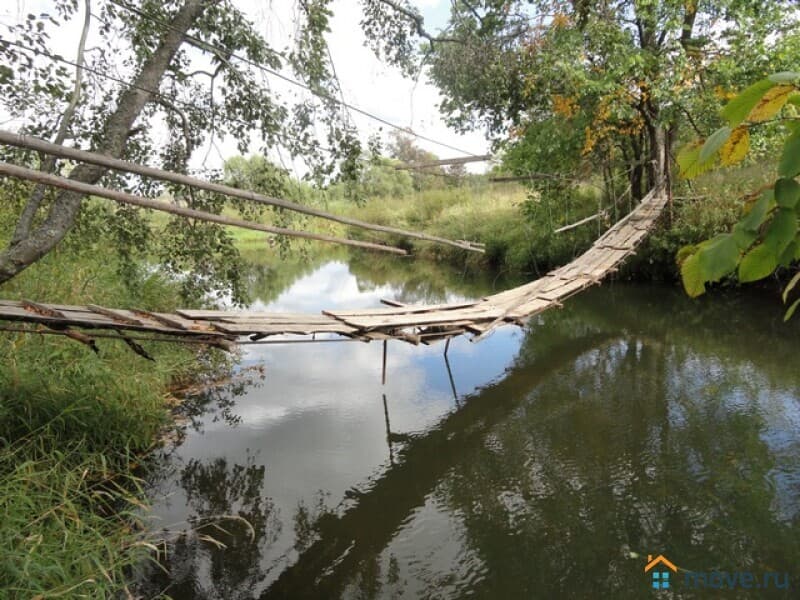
(519, 229)
(74, 428)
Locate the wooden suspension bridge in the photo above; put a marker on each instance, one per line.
(410, 323)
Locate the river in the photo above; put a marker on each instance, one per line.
(540, 463)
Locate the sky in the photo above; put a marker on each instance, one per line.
(366, 82)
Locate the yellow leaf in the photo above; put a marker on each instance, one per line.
(560, 20)
(689, 161)
(771, 103)
(735, 149)
(564, 106)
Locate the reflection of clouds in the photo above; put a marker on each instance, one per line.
(345, 376)
(318, 417)
(331, 286)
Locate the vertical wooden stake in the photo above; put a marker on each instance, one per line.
(383, 376)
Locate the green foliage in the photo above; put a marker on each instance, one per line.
(789, 165)
(690, 162)
(73, 426)
(766, 237)
(713, 144)
(405, 151)
(609, 91)
(516, 226)
(215, 92)
(382, 180)
(738, 109)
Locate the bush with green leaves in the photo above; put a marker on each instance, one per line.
(766, 237)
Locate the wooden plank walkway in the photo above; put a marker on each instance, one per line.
(411, 323)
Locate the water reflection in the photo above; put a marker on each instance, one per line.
(531, 465)
(231, 523)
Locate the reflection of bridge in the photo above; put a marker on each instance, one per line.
(411, 323)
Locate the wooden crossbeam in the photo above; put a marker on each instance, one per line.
(125, 198)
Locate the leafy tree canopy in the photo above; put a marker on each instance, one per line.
(599, 82)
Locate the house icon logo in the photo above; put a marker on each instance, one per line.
(659, 568)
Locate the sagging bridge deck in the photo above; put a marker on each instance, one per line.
(411, 323)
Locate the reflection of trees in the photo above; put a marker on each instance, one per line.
(216, 397)
(269, 279)
(416, 281)
(584, 452)
(419, 281)
(232, 523)
(568, 490)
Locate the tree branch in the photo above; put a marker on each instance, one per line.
(67, 204)
(23, 227)
(419, 22)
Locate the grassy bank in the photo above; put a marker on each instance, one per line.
(519, 228)
(516, 227)
(72, 428)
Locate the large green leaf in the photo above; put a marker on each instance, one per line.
(781, 231)
(692, 276)
(789, 165)
(737, 109)
(689, 162)
(714, 143)
(770, 103)
(760, 262)
(744, 238)
(719, 257)
(758, 212)
(788, 254)
(787, 192)
(735, 148)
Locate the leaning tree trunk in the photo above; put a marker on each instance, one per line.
(66, 206)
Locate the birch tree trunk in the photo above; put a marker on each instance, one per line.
(64, 210)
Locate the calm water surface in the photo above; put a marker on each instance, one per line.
(540, 463)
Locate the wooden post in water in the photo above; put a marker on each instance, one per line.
(383, 375)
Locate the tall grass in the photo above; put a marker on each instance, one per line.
(516, 227)
(73, 426)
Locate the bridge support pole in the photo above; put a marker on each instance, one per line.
(383, 373)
